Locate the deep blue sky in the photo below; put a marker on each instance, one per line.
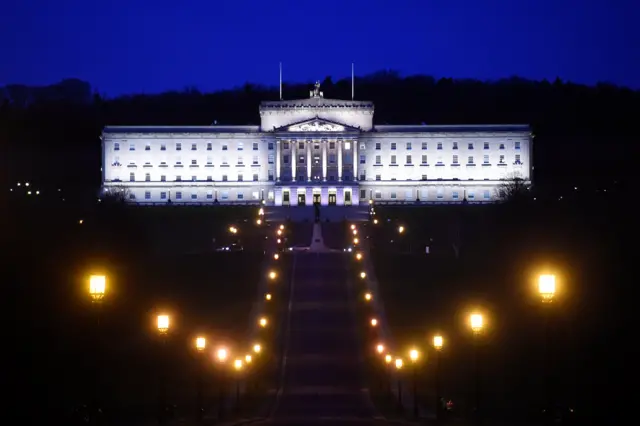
(125, 46)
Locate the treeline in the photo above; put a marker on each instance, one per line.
(583, 135)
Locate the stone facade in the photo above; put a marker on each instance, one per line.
(314, 150)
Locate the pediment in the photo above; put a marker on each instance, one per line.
(317, 125)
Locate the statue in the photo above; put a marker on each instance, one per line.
(316, 93)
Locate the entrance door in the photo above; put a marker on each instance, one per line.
(347, 198)
(316, 198)
(285, 198)
(332, 199)
(301, 199)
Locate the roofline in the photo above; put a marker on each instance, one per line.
(458, 126)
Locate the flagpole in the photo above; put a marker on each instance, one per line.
(353, 83)
(280, 80)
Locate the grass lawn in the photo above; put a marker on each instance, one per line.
(498, 260)
(59, 339)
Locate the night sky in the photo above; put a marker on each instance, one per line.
(133, 46)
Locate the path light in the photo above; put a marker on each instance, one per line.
(399, 363)
(375, 221)
(267, 296)
(201, 343)
(97, 287)
(233, 229)
(163, 324)
(356, 241)
(438, 342)
(276, 256)
(353, 227)
(263, 322)
(547, 287)
(477, 322)
(273, 275)
(279, 232)
(355, 232)
(259, 222)
(368, 297)
(257, 348)
(247, 359)
(282, 227)
(380, 348)
(388, 358)
(359, 256)
(279, 240)
(237, 364)
(374, 322)
(414, 355)
(400, 229)
(363, 275)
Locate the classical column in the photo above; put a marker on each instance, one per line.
(324, 160)
(309, 146)
(355, 160)
(340, 160)
(294, 161)
(278, 153)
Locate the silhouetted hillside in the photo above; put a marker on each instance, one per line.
(583, 134)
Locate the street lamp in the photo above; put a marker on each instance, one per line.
(399, 364)
(374, 322)
(276, 256)
(358, 256)
(438, 343)
(97, 287)
(356, 241)
(282, 227)
(355, 232)
(222, 354)
(414, 354)
(547, 287)
(162, 324)
(248, 359)
(237, 366)
(262, 322)
(400, 229)
(258, 221)
(267, 296)
(257, 348)
(380, 348)
(201, 343)
(353, 227)
(476, 321)
(273, 275)
(375, 221)
(368, 297)
(363, 275)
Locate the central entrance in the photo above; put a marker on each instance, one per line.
(316, 198)
(347, 198)
(301, 199)
(332, 199)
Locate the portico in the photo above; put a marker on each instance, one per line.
(295, 194)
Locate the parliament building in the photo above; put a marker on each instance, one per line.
(314, 150)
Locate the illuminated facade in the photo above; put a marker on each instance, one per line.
(314, 150)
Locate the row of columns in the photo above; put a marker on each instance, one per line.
(323, 152)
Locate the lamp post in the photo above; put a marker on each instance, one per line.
(221, 356)
(399, 365)
(162, 325)
(387, 361)
(438, 343)
(201, 343)
(97, 290)
(477, 324)
(547, 291)
(414, 355)
(237, 366)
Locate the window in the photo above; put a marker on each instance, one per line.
(209, 178)
(163, 178)
(147, 195)
(194, 178)
(501, 159)
(178, 178)
(270, 176)
(194, 162)
(501, 146)
(255, 160)
(378, 195)
(224, 178)
(285, 145)
(178, 146)
(471, 195)
(408, 159)
(378, 159)
(363, 193)
(178, 195)
(132, 196)
(255, 177)
(240, 161)
(194, 146)
(240, 196)
(517, 145)
(316, 147)
(408, 194)
(409, 146)
(486, 194)
(485, 159)
(332, 158)
(440, 145)
(470, 160)
(132, 177)
(240, 178)
(271, 158)
(393, 146)
(209, 160)
(301, 159)
(209, 146)
(440, 194)
(424, 177)
(240, 146)
(393, 159)
(347, 146)
(470, 146)
(163, 164)
(225, 147)
(455, 195)
(393, 195)
(332, 145)
(301, 146)
(424, 145)
(132, 147)
(378, 146)
(255, 146)
(363, 176)
(424, 159)
(209, 195)
(378, 177)
(194, 196)
(224, 161)
(363, 159)
(518, 159)
(455, 159)
(163, 195)
(163, 147)
(224, 195)
(455, 145)
(285, 159)
(486, 145)
(270, 146)
(147, 147)
(316, 159)
(116, 146)
(147, 177)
